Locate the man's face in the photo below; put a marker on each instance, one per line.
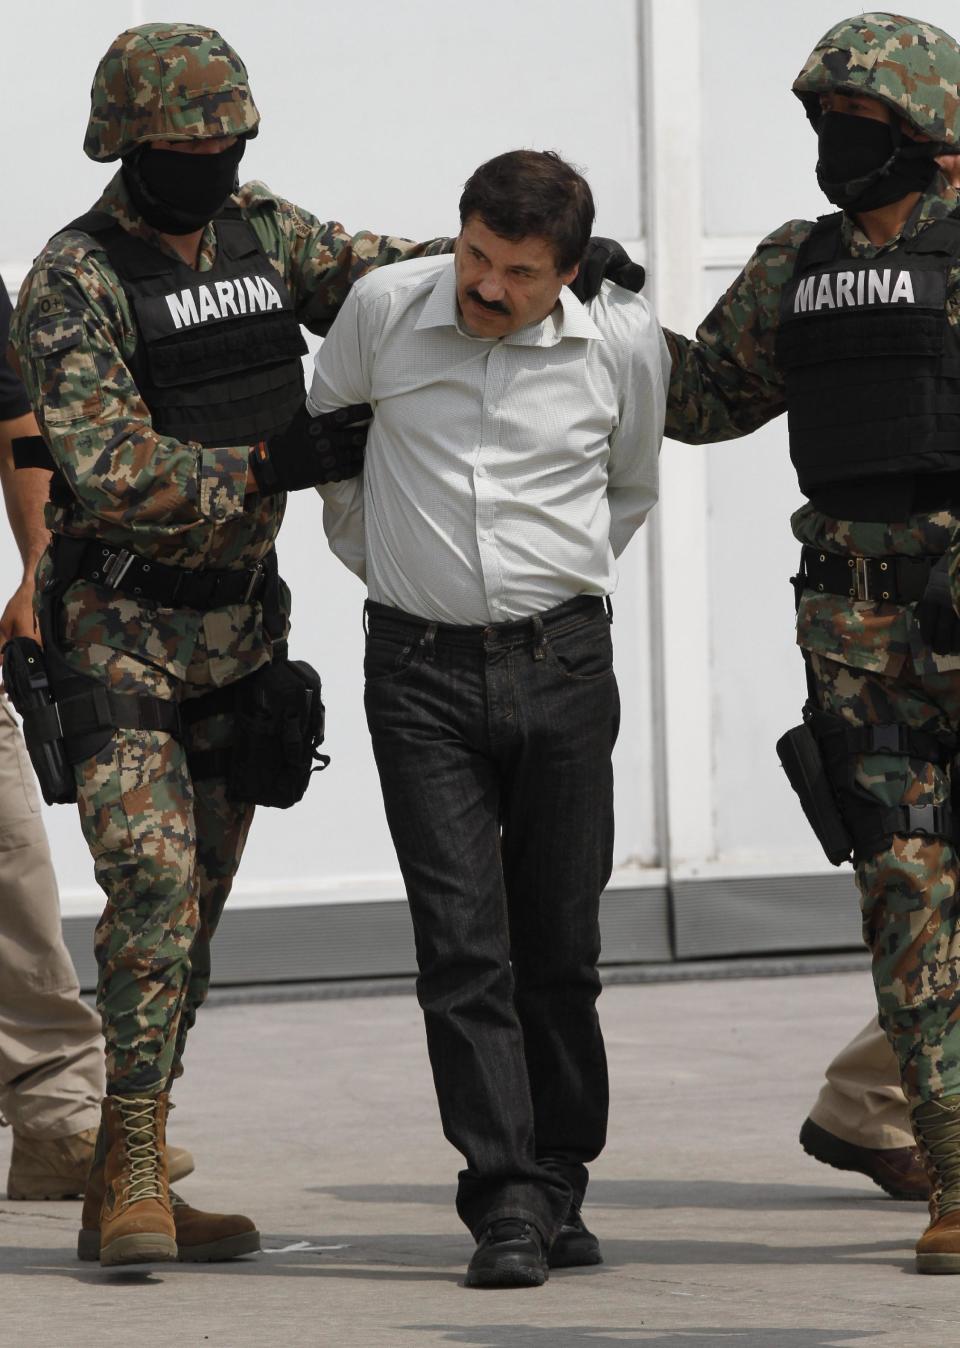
(503, 285)
(856, 105)
(862, 105)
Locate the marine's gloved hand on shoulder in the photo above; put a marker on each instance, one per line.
(938, 620)
(605, 259)
(313, 450)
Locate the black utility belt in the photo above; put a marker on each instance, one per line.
(127, 573)
(68, 717)
(899, 580)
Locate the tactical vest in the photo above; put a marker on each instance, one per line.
(871, 361)
(218, 352)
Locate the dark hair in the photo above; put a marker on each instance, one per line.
(532, 192)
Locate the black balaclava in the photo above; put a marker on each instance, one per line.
(178, 193)
(864, 163)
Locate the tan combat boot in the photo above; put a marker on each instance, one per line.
(202, 1237)
(136, 1219)
(49, 1167)
(936, 1126)
(57, 1167)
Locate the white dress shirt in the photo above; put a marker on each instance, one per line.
(502, 476)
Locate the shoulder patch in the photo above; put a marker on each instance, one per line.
(50, 306)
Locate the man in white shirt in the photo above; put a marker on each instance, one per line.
(512, 456)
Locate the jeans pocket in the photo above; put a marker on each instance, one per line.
(583, 654)
(387, 657)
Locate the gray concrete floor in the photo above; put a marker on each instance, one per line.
(319, 1120)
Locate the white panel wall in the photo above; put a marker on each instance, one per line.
(374, 116)
(759, 148)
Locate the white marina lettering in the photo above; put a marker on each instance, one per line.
(182, 308)
(825, 298)
(222, 299)
(845, 289)
(208, 305)
(878, 287)
(255, 293)
(853, 289)
(804, 297)
(903, 289)
(225, 294)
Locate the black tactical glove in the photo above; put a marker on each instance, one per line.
(605, 259)
(939, 624)
(313, 450)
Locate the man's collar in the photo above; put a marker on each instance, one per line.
(569, 320)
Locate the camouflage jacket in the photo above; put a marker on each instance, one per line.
(726, 383)
(181, 504)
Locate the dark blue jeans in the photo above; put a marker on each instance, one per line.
(493, 746)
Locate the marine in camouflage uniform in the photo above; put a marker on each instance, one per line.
(870, 662)
(165, 846)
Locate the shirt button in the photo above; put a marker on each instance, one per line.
(480, 470)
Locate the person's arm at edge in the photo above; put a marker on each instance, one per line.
(25, 493)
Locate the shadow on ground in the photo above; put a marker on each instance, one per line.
(586, 1336)
(648, 1195)
(410, 1258)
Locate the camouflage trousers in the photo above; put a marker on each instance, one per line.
(908, 891)
(165, 851)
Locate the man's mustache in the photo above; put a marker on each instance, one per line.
(495, 306)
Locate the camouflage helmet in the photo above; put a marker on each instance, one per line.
(911, 66)
(167, 81)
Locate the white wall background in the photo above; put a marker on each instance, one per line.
(680, 113)
(375, 117)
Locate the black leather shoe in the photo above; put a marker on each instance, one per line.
(574, 1245)
(898, 1170)
(510, 1254)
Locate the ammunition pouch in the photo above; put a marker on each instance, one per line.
(800, 757)
(849, 822)
(278, 727)
(68, 717)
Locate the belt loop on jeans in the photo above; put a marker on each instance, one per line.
(365, 621)
(429, 641)
(539, 639)
(608, 605)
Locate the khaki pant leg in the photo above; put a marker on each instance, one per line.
(861, 1100)
(51, 1049)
